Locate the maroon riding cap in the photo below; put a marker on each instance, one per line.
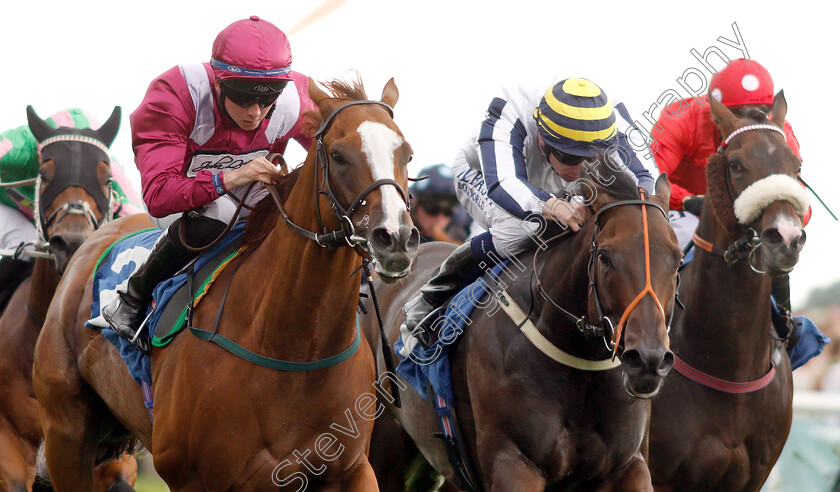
(252, 49)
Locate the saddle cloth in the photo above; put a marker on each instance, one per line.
(419, 365)
(166, 315)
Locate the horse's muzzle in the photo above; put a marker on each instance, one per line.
(394, 251)
(780, 247)
(645, 370)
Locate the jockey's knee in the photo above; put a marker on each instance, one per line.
(198, 231)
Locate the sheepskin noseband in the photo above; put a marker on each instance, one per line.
(757, 196)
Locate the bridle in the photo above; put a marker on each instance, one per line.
(73, 207)
(748, 245)
(346, 236)
(610, 332)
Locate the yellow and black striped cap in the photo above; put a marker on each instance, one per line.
(575, 117)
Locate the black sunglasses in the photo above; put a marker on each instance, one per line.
(248, 100)
(564, 158)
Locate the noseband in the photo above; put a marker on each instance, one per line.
(749, 243)
(610, 333)
(346, 236)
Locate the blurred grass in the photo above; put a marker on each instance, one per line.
(147, 479)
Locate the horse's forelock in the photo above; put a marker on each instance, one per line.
(756, 115)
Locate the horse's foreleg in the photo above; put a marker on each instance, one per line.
(634, 477)
(361, 479)
(70, 452)
(515, 474)
(17, 462)
(67, 418)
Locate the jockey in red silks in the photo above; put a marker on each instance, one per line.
(685, 136)
(200, 135)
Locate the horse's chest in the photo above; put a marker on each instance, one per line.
(591, 448)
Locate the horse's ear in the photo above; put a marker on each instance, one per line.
(315, 93)
(108, 131)
(663, 191)
(779, 109)
(40, 128)
(723, 118)
(390, 93)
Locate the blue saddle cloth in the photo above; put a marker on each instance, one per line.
(418, 365)
(115, 266)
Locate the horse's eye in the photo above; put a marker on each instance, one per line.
(603, 258)
(410, 158)
(735, 166)
(337, 158)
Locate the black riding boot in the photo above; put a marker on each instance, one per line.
(12, 273)
(452, 276)
(127, 311)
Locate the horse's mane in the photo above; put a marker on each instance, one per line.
(621, 185)
(264, 216)
(346, 89)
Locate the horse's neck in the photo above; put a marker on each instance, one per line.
(563, 274)
(311, 287)
(44, 282)
(727, 311)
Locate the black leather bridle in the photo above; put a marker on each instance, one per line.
(346, 236)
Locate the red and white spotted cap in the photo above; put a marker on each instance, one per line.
(742, 83)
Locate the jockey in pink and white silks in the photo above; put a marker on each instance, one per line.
(200, 135)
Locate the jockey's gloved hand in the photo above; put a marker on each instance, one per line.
(693, 204)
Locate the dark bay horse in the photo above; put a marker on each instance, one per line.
(222, 422)
(72, 196)
(531, 423)
(727, 433)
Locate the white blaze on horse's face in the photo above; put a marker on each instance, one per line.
(379, 143)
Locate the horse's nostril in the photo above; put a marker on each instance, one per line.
(413, 240)
(381, 239)
(58, 243)
(631, 360)
(798, 243)
(771, 237)
(666, 364)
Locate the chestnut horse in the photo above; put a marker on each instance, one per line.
(222, 422)
(71, 202)
(529, 422)
(726, 433)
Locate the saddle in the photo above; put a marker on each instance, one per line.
(173, 299)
